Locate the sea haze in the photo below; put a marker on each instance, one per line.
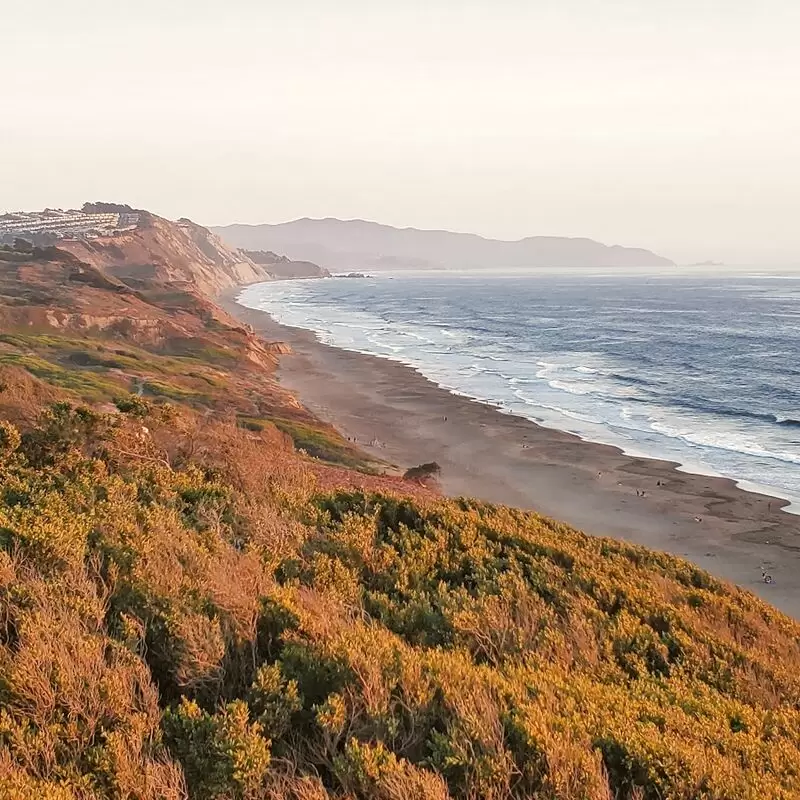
(700, 369)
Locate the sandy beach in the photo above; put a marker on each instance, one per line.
(398, 416)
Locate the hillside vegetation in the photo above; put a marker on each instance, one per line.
(195, 602)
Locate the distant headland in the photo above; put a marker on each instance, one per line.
(358, 245)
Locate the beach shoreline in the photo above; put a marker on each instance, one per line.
(397, 415)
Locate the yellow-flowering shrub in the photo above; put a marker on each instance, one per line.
(174, 624)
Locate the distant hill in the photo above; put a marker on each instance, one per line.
(355, 244)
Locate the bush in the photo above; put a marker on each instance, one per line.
(423, 472)
(223, 755)
(10, 438)
(133, 405)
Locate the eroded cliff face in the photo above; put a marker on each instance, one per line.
(154, 286)
(179, 253)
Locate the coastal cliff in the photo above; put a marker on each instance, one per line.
(158, 250)
(207, 592)
(283, 267)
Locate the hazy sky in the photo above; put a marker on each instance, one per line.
(669, 124)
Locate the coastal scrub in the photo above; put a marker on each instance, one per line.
(204, 621)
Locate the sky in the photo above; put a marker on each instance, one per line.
(667, 124)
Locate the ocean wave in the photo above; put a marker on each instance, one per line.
(571, 388)
(631, 380)
(605, 385)
(457, 336)
(724, 440)
(717, 409)
(563, 412)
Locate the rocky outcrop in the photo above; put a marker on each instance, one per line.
(279, 348)
(150, 327)
(282, 267)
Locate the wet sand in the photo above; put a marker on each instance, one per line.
(397, 415)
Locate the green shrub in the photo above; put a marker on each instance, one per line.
(223, 755)
(423, 472)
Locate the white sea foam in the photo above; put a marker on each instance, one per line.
(721, 439)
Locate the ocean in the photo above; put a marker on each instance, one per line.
(698, 368)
